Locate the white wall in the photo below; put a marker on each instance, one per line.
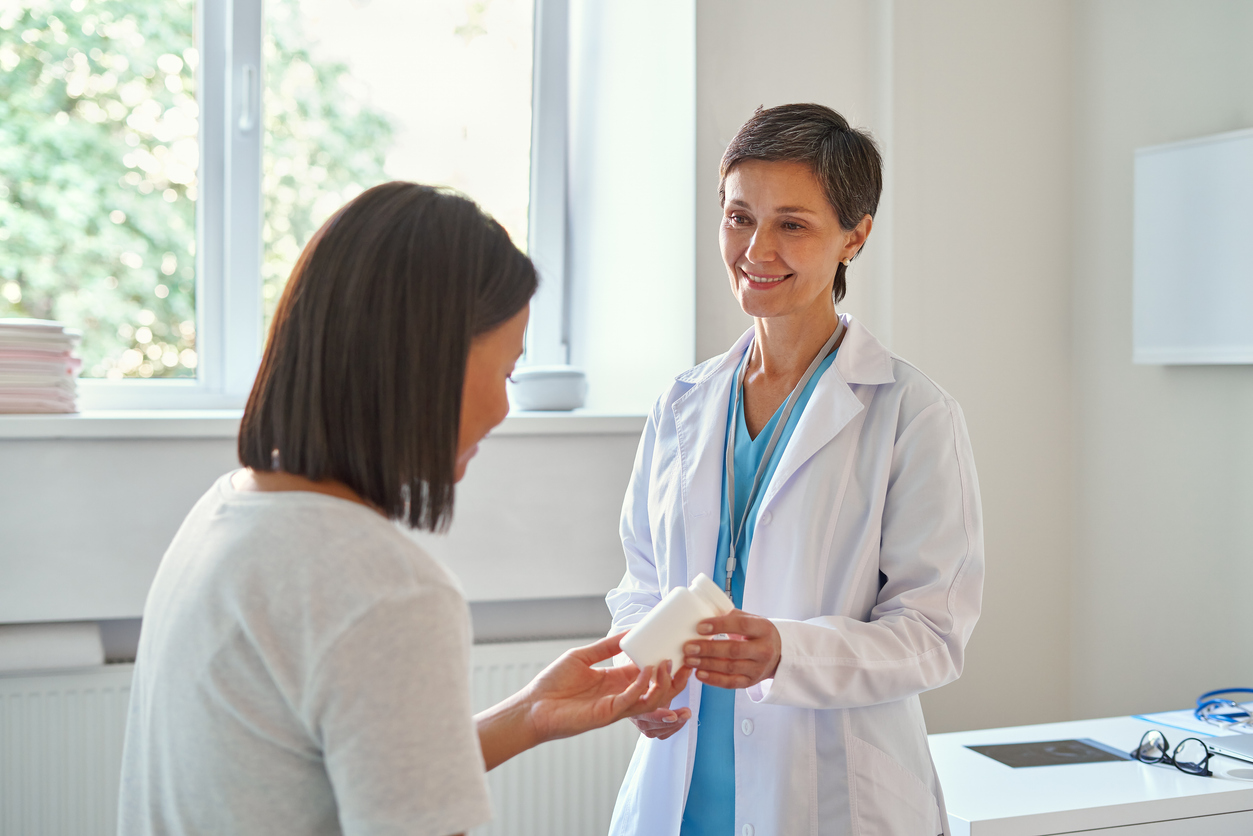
(974, 97)
(84, 522)
(981, 302)
(751, 54)
(537, 516)
(1164, 504)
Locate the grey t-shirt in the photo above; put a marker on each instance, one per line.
(303, 669)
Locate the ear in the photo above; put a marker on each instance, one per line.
(857, 237)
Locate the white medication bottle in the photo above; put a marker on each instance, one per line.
(672, 623)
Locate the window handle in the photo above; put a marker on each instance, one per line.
(248, 101)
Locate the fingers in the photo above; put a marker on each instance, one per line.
(680, 681)
(649, 711)
(737, 622)
(670, 687)
(724, 680)
(651, 693)
(658, 691)
(606, 648)
(734, 664)
(661, 691)
(746, 667)
(662, 730)
(662, 720)
(663, 679)
(662, 723)
(658, 717)
(694, 652)
(631, 697)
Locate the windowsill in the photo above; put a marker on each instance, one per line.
(576, 422)
(125, 423)
(224, 423)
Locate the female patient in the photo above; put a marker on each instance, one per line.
(304, 665)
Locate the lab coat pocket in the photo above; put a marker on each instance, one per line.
(886, 798)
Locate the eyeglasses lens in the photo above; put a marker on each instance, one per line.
(1152, 747)
(1190, 755)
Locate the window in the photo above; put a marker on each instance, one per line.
(359, 93)
(162, 163)
(98, 179)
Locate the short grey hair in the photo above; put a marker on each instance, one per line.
(845, 160)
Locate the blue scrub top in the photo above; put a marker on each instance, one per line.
(710, 808)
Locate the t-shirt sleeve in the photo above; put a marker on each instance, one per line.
(389, 702)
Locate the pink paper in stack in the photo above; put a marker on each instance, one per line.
(38, 369)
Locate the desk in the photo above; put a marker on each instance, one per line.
(1126, 798)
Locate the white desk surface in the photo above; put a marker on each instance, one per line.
(984, 796)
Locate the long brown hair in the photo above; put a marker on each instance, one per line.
(362, 374)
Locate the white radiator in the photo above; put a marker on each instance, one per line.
(61, 748)
(563, 788)
(61, 751)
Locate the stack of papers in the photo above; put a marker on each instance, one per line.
(38, 369)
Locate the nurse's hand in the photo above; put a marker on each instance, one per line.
(750, 655)
(663, 722)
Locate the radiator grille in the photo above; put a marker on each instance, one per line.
(61, 751)
(563, 788)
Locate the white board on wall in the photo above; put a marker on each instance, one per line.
(1193, 251)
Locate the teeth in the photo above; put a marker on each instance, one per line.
(766, 279)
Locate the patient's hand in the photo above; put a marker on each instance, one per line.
(663, 722)
(570, 696)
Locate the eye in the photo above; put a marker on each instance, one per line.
(739, 220)
(792, 226)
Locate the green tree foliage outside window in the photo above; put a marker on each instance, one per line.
(99, 149)
(323, 145)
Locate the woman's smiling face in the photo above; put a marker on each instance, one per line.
(781, 240)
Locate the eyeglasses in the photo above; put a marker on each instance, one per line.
(1191, 756)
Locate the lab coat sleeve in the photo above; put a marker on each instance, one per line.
(640, 589)
(931, 553)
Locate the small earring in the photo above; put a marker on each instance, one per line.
(847, 261)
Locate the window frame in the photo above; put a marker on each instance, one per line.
(548, 330)
(228, 220)
(229, 311)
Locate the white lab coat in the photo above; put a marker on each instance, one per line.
(867, 556)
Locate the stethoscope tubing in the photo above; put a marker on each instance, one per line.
(792, 398)
(1207, 703)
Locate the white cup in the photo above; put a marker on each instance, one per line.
(547, 388)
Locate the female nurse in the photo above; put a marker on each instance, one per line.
(830, 486)
(303, 667)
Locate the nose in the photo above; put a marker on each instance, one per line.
(761, 248)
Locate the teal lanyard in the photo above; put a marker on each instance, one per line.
(737, 531)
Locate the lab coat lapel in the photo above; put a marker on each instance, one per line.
(700, 418)
(861, 360)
